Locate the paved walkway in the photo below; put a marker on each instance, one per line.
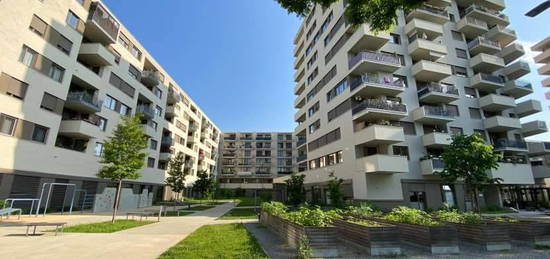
(143, 242)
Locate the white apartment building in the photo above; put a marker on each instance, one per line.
(378, 109)
(543, 58)
(68, 71)
(250, 160)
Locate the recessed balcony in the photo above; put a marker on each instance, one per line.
(428, 13)
(429, 71)
(379, 109)
(95, 54)
(365, 39)
(101, 25)
(528, 107)
(299, 74)
(486, 63)
(517, 70)
(299, 102)
(512, 52)
(150, 78)
(171, 110)
(82, 101)
(145, 111)
(383, 164)
(496, 103)
(375, 135)
(501, 34)
(431, 165)
(533, 128)
(492, 4)
(368, 61)
(432, 30)
(500, 123)
(173, 97)
(513, 173)
(148, 129)
(538, 148)
(432, 115)
(483, 45)
(544, 70)
(492, 17)
(510, 145)
(439, 3)
(375, 86)
(79, 128)
(165, 156)
(167, 141)
(437, 93)
(299, 89)
(486, 82)
(426, 49)
(517, 88)
(472, 27)
(300, 117)
(436, 140)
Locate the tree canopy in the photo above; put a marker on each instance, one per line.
(379, 14)
(177, 173)
(295, 189)
(205, 184)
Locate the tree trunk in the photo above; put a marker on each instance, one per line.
(476, 204)
(117, 200)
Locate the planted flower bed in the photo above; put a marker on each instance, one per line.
(376, 238)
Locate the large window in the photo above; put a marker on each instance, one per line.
(72, 20)
(313, 109)
(337, 90)
(151, 162)
(12, 86)
(7, 124)
(314, 126)
(98, 151)
(39, 133)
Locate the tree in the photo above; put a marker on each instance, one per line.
(204, 185)
(468, 159)
(177, 173)
(295, 189)
(123, 155)
(335, 192)
(379, 14)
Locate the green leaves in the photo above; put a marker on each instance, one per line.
(177, 173)
(408, 215)
(295, 189)
(205, 184)
(335, 192)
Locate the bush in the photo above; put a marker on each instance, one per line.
(274, 208)
(363, 211)
(456, 217)
(411, 216)
(313, 217)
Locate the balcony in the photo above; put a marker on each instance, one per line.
(299, 102)
(439, 3)
(171, 111)
(365, 39)
(101, 25)
(544, 70)
(436, 140)
(517, 88)
(301, 141)
(95, 54)
(541, 171)
(486, 63)
(82, 101)
(165, 156)
(426, 49)
(375, 135)
(486, 82)
(437, 93)
(428, 13)
(431, 165)
(167, 140)
(432, 115)
(510, 145)
(501, 34)
(429, 71)
(375, 86)
(79, 128)
(496, 103)
(148, 129)
(383, 164)
(299, 74)
(528, 107)
(512, 52)
(300, 117)
(501, 124)
(483, 45)
(538, 148)
(430, 29)
(533, 128)
(173, 96)
(472, 27)
(546, 83)
(543, 57)
(492, 17)
(150, 78)
(513, 173)
(368, 61)
(299, 89)
(517, 70)
(492, 4)
(145, 111)
(379, 109)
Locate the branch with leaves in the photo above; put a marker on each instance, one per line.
(176, 174)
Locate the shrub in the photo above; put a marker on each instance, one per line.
(274, 208)
(411, 216)
(363, 211)
(456, 217)
(504, 219)
(312, 217)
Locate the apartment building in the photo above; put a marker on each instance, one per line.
(543, 58)
(378, 109)
(539, 195)
(69, 70)
(250, 160)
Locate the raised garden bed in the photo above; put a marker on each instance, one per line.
(491, 236)
(322, 240)
(534, 232)
(376, 238)
(436, 239)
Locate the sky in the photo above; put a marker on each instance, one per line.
(234, 57)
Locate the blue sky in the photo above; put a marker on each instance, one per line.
(234, 57)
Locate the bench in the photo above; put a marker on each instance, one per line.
(8, 212)
(39, 224)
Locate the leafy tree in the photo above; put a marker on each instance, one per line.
(204, 185)
(123, 155)
(468, 159)
(379, 14)
(177, 173)
(295, 189)
(335, 192)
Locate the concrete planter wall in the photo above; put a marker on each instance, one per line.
(379, 240)
(322, 240)
(534, 232)
(491, 236)
(436, 239)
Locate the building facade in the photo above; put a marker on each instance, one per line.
(378, 109)
(543, 58)
(250, 160)
(69, 71)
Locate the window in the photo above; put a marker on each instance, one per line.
(314, 126)
(395, 38)
(153, 144)
(452, 17)
(459, 71)
(312, 60)
(475, 113)
(28, 56)
(134, 72)
(109, 103)
(457, 36)
(401, 151)
(38, 26)
(401, 59)
(417, 200)
(151, 162)
(402, 79)
(324, 140)
(117, 82)
(39, 133)
(12, 86)
(56, 72)
(339, 110)
(158, 111)
(50, 35)
(313, 109)
(330, 74)
(7, 124)
(456, 131)
(124, 109)
(72, 20)
(136, 52)
(52, 103)
(102, 123)
(41, 64)
(408, 127)
(98, 150)
(453, 110)
(312, 76)
(337, 90)
(157, 92)
(470, 92)
(123, 40)
(461, 53)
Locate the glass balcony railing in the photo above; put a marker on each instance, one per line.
(146, 110)
(480, 40)
(438, 111)
(104, 19)
(491, 78)
(365, 79)
(507, 143)
(477, 22)
(434, 10)
(523, 84)
(438, 88)
(301, 158)
(474, 7)
(301, 141)
(380, 105)
(374, 56)
(83, 98)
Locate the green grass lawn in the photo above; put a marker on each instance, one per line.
(217, 241)
(107, 226)
(248, 201)
(198, 208)
(240, 214)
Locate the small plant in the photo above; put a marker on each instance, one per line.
(312, 217)
(304, 249)
(411, 216)
(335, 192)
(454, 216)
(367, 223)
(274, 208)
(363, 211)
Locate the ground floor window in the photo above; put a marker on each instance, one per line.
(417, 200)
(448, 195)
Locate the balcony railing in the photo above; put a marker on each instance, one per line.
(474, 7)
(146, 109)
(481, 40)
(435, 87)
(301, 141)
(263, 138)
(301, 158)
(434, 10)
(438, 111)
(492, 78)
(507, 143)
(503, 29)
(365, 79)
(514, 159)
(474, 21)
(83, 97)
(374, 56)
(523, 84)
(99, 15)
(167, 140)
(380, 105)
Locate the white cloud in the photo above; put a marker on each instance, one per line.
(529, 56)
